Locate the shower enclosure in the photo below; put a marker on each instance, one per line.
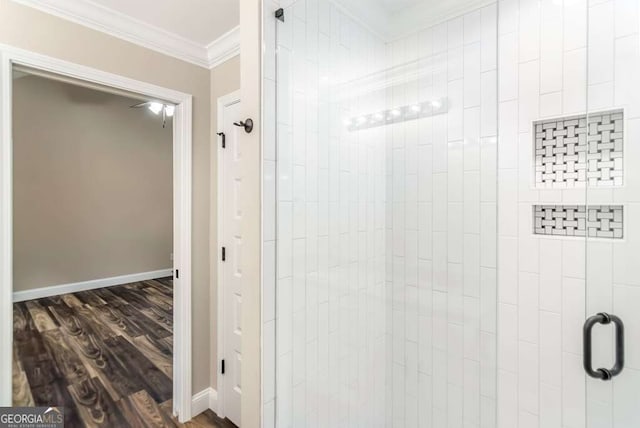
(451, 213)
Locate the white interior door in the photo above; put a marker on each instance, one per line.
(231, 240)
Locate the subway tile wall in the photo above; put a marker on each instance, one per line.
(441, 229)
(438, 261)
(559, 59)
(393, 257)
(326, 243)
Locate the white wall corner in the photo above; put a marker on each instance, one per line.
(224, 47)
(207, 399)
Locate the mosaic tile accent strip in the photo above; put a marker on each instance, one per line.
(569, 152)
(595, 221)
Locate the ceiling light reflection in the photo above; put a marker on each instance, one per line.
(156, 108)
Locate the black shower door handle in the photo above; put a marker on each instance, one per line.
(603, 318)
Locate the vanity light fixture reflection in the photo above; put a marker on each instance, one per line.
(397, 114)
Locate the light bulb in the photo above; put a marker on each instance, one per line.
(436, 104)
(156, 108)
(169, 110)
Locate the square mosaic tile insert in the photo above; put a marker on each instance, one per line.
(573, 151)
(595, 221)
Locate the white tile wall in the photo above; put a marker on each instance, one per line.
(430, 183)
(570, 66)
(456, 179)
(328, 248)
(400, 301)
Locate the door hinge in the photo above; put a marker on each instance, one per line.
(222, 367)
(177, 273)
(224, 139)
(224, 254)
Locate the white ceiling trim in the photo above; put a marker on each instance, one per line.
(224, 47)
(124, 27)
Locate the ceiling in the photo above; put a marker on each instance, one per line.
(426, 13)
(200, 21)
(203, 32)
(397, 5)
(393, 19)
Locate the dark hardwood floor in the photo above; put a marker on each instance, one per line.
(104, 355)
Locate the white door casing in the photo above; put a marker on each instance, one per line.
(230, 278)
(182, 209)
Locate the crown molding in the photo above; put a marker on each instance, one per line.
(116, 24)
(224, 47)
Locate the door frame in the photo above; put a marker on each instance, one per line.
(222, 102)
(182, 210)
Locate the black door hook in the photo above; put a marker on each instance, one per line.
(247, 125)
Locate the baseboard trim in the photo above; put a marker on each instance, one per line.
(55, 290)
(204, 400)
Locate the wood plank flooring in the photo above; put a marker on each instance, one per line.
(105, 355)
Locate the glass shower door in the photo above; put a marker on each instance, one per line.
(386, 208)
(330, 190)
(611, 349)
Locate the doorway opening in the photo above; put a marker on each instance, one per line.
(68, 340)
